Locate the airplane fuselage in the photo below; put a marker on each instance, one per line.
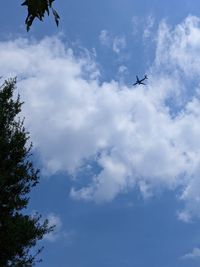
(138, 81)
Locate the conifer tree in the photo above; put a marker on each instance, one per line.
(19, 232)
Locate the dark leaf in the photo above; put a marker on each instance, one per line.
(38, 9)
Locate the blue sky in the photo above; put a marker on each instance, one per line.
(119, 164)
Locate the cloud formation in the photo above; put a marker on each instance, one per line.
(150, 20)
(145, 137)
(192, 255)
(116, 43)
(144, 25)
(55, 221)
(59, 232)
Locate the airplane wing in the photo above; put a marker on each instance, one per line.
(137, 78)
(145, 77)
(143, 83)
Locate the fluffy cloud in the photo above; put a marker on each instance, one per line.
(105, 38)
(54, 220)
(59, 233)
(192, 255)
(178, 49)
(136, 21)
(145, 137)
(148, 27)
(117, 43)
(144, 25)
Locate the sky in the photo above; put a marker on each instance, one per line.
(119, 164)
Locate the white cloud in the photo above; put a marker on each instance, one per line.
(184, 216)
(105, 38)
(136, 21)
(143, 25)
(54, 220)
(59, 232)
(148, 26)
(180, 47)
(122, 69)
(192, 255)
(143, 136)
(117, 43)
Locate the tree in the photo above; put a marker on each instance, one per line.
(38, 9)
(18, 232)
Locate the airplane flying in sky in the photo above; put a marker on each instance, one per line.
(138, 81)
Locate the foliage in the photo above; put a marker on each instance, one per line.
(37, 9)
(18, 232)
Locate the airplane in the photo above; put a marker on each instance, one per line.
(138, 81)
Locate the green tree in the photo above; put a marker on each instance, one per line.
(38, 9)
(18, 232)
